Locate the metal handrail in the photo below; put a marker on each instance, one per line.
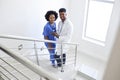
(15, 69)
(24, 38)
(32, 66)
(33, 39)
(37, 40)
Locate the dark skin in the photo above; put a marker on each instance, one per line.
(55, 34)
(62, 17)
(51, 20)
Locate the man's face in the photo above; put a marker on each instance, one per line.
(62, 15)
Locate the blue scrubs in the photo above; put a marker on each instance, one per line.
(48, 29)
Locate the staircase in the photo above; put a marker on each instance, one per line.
(30, 61)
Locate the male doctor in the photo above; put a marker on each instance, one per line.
(65, 30)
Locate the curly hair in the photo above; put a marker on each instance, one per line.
(47, 15)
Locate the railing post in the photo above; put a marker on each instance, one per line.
(75, 55)
(62, 58)
(36, 53)
(26, 62)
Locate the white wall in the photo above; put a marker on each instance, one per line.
(113, 68)
(77, 16)
(26, 17)
(112, 71)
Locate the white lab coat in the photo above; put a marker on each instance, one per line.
(65, 30)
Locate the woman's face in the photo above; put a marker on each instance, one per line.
(52, 18)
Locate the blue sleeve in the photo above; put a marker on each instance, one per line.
(47, 30)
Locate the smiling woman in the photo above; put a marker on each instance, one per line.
(97, 20)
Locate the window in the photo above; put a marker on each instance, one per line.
(97, 20)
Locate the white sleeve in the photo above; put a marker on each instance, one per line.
(67, 33)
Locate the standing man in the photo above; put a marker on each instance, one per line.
(65, 30)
